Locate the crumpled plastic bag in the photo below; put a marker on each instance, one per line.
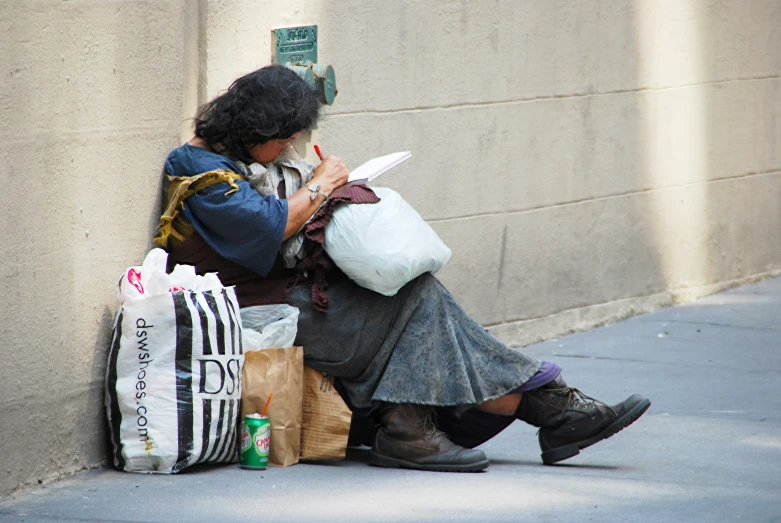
(269, 327)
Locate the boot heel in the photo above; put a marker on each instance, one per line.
(549, 457)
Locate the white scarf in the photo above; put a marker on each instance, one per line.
(265, 179)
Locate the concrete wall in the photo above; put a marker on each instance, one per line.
(584, 159)
(91, 96)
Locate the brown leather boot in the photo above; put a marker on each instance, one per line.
(408, 438)
(570, 421)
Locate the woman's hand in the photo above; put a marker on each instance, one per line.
(330, 174)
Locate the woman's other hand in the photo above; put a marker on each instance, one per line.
(330, 174)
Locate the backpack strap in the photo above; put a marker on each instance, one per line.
(175, 228)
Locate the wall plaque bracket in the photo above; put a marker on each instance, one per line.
(296, 47)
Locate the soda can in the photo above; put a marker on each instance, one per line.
(255, 441)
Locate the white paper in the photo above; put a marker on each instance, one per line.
(377, 166)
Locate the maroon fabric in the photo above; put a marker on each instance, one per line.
(251, 288)
(318, 262)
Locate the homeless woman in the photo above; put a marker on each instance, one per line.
(434, 380)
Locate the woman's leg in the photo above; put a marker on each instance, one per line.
(420, 348)
(414, 352)
(504, 406)
(569, 421)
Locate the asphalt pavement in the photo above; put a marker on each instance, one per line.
(708, 449)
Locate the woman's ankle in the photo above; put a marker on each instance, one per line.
(504, 406)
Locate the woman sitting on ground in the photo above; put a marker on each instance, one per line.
(401, 359)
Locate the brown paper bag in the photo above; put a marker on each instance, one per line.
(326, 419)
(279, 372)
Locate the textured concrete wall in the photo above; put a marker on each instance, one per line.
(90, 103)
(584, 159)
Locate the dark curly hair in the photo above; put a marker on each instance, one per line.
(270, 103)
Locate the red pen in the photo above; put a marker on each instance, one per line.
(319, 154)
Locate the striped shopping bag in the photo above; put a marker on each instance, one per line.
(173, 381)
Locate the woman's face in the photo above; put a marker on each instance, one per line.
(268, 152)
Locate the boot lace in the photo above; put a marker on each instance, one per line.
(577, 399)
(427, 421)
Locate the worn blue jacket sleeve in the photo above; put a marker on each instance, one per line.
(244, 227)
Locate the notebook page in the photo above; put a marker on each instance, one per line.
(377, 166)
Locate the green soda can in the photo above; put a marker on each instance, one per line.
(255, 441)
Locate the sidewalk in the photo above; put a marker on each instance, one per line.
(708, 449)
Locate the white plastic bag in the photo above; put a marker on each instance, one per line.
(269, 327)
(173, 379)
(385, 245)
(151, 279)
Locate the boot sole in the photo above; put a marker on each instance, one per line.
(549, 457)
(394, 463)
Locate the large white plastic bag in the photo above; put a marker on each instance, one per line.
(383, 246)
(269, 326)
(173, 379)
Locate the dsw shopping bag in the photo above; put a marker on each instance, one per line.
(173, 381)
(279, 372)
(326, 419)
